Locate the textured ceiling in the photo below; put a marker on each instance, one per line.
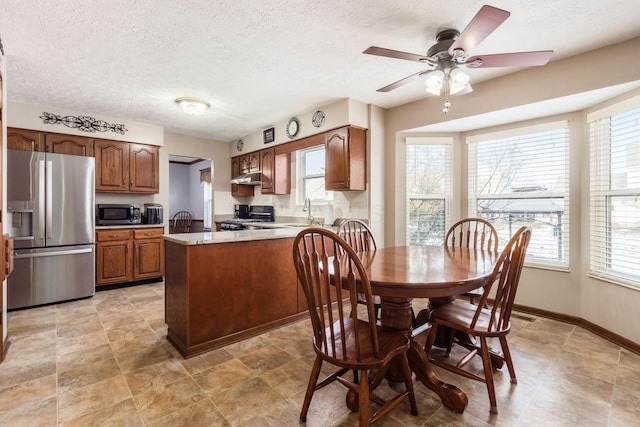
(259, 62)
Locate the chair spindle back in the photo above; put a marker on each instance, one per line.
(333, 328)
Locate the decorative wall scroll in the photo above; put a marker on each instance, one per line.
(83, 123)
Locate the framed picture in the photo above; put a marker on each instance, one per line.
(269, 135)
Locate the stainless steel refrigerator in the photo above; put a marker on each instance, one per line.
(50, 202)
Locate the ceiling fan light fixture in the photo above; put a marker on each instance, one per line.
(194, 106)
(458, 81)
(434, 82)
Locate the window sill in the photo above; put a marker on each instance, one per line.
(613, 281)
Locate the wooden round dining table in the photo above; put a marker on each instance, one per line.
(399, 274)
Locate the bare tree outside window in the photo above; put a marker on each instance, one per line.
(428, 192)
(523, 180)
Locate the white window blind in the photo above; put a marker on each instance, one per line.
(614, 192)
(522, 178)
(428, 190)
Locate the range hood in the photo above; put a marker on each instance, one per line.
(251, 178)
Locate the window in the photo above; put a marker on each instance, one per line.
(312, 167)
(205, 182)
(428, 190)
(521, 177)
(614, 191)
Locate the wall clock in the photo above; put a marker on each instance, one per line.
(318, 118)
(293, 127)
(239, 145)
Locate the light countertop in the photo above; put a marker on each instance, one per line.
(248, 235)
(232, 236)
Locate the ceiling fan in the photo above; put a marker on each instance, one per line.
(452, 51)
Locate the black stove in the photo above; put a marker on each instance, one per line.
(256, 214)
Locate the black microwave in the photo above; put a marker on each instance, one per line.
(118, 214)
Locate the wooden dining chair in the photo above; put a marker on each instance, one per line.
(472, 233)
(482, 323)
(181, 222)
(348, 342)
(359, 236)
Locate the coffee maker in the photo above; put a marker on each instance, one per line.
(153, 213)
(241, 211)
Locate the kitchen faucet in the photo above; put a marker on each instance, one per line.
(307, 208)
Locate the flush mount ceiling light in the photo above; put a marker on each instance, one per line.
(193, 106)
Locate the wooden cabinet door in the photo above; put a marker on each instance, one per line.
(144, 163)
(112, 165)
(114, 262)
(337, 160)
(345, 159)
(69, 144)
(267, 161)
(282, 174)
(245, 166)
(25, 140)
(254, 161)
(148, 258)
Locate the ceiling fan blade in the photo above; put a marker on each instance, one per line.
(389, 53)
(484, 23)
(515, 59)
(401, 82)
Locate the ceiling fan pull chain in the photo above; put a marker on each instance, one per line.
(445, 90)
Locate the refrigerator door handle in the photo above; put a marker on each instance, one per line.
(48, 254)
(39, 232)
(49, 199)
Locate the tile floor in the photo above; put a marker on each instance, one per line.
(104, 361)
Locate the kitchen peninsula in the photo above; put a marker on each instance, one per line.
(223, 287)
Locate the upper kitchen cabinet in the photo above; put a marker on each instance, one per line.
(346, 159)
(122, 167)
(275, 177)
(239, 190)
(25, 140)
(144, 163)
(33, 140)
(250, 163)
(267, 161)
(68, 144)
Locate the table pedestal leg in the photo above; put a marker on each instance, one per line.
(396, 314)
(451, 396)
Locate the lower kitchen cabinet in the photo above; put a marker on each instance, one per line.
(148, 253)
(129, 254)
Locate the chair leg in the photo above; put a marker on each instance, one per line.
(313, 379)
(431, 338)
(409, 384)
(363, 401)
(488, 374)
(452, 335)
(507, 358)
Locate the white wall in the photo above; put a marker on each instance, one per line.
(610, 306)
(179, 193)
